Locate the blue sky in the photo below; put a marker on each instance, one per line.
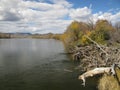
(44, 16)
(97, 5)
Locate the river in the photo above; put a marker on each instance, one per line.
(38, 64)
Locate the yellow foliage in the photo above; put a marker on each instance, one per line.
(84, 40)
(88, 33)
(103, 25)
(74, 25)
(76, 32)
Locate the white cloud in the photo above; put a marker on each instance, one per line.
(115, 17)
(107, 16)
(81, 14)
(44, 17)
(8, 10)
(64, 3)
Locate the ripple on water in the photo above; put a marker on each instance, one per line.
(37, 64)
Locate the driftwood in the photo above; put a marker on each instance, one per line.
(96, 71)
(96, 59)
(96, 55)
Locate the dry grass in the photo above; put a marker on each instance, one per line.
(108, 82)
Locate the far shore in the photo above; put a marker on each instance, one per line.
(29, 35)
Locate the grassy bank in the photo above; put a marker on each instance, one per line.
(108, 82)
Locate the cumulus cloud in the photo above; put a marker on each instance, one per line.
(9, 16)
(34, 17)
(44, 16)
(81, 14)
(106, 16)
(8, 10)
(85, 14)
(65, 3)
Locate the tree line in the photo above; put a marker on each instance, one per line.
(103, 32)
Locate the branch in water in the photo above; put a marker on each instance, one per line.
(97, 71)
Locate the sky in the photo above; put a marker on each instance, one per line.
(53, 16)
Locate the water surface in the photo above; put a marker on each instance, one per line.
(37, 64)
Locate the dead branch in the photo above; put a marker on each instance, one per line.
(96, 71)
(96, 59)
(96, 44)
(92, 56)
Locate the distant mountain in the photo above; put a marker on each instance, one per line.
(21, 33)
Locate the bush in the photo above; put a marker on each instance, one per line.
(76, 32)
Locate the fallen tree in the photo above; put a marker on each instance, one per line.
(97, 59)
(101, 70)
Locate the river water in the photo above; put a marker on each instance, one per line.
(38, 64)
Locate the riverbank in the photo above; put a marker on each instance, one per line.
(95, 46)
(29, 35)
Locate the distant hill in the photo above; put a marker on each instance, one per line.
(29, 35)
(20, 33)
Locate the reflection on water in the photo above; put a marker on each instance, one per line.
(37, 64)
